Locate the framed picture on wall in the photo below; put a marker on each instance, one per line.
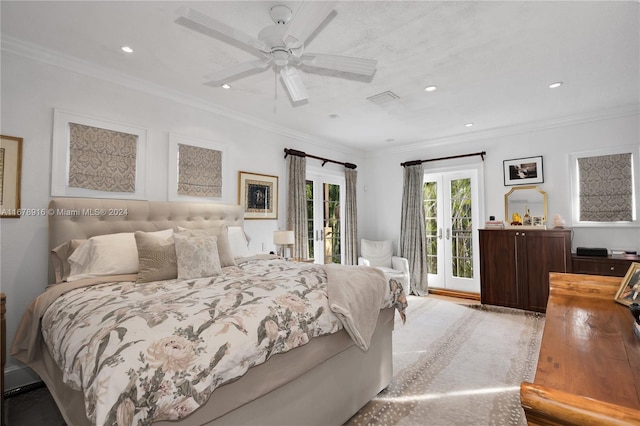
(629, 291)
(10, 171)
(523, 171)
(258, 195)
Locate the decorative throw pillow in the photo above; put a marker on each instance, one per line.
(197, 256)
(156, 257)
(224, 248)
(109, 254)
(60, 259)
(238, 242)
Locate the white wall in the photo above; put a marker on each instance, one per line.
(30, 92)
(383, 173)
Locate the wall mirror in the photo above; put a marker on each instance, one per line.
(521, 198)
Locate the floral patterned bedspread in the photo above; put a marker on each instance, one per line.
(156, 351)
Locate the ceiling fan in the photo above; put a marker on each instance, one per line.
(280, 45)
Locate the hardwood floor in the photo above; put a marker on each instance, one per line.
(34, 406)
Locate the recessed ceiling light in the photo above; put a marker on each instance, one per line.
(554, 85)
(430, 88)
(226, 86)
(391, 140)
(127, 49)
(333, 115)
(468, 125)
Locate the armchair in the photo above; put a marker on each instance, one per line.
(379, 254)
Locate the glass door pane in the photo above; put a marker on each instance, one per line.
(310, 220)
(324, 210)
(461, 229)
(331, 222)
(430, 194)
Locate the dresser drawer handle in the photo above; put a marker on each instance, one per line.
(613, 268)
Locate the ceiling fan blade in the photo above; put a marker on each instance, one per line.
(189, 16)
(306, 20)
(340, 63)
(293, 83)
(227, 73)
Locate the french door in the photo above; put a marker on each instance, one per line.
(451, 223)
(325, 208)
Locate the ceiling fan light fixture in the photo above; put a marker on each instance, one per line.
(280, 14)
(280, 57)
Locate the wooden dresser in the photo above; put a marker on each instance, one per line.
(588, 370)
(614, 266)
(3, 333)
(515, 265)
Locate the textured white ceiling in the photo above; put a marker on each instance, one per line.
(492, 61)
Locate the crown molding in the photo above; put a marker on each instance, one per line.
(604, 114)
(70, 63)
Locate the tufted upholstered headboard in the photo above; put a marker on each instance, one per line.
(81, 218)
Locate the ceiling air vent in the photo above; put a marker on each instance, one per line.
(383, 98)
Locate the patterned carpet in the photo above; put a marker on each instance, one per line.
(457, 365)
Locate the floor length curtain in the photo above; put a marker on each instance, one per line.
(413, 245)
(297, 205)
(351, 219)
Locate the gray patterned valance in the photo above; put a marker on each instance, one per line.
(199, 171)
(606, 188)
(101, 159)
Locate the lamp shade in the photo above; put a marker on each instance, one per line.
(283, 238)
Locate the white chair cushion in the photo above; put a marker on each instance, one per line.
(378, 253)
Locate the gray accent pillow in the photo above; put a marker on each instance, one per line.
(197, 256)
(224, 248)
(156, 257)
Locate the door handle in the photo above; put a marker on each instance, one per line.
(439, 233)
(448, 233)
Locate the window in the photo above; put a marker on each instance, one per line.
(605, 187)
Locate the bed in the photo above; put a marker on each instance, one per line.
(251, 340)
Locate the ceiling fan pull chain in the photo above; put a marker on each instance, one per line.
(275, 91)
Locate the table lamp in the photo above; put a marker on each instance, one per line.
(283, 239)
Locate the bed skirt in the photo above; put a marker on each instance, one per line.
(332, 382)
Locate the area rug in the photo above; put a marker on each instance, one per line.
(457, 365)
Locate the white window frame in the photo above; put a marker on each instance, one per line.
(61, 153)
(172, 184)
(575, 187)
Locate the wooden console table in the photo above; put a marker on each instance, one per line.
(611, 265)
(589, 365)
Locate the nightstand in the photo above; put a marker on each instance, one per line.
(3, 330)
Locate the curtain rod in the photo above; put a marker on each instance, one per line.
(416, 162)
(324, 160)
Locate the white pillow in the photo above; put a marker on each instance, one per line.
(111, 254)
(238, 242)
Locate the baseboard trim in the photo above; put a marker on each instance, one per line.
(455, 293)
(16, 377)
